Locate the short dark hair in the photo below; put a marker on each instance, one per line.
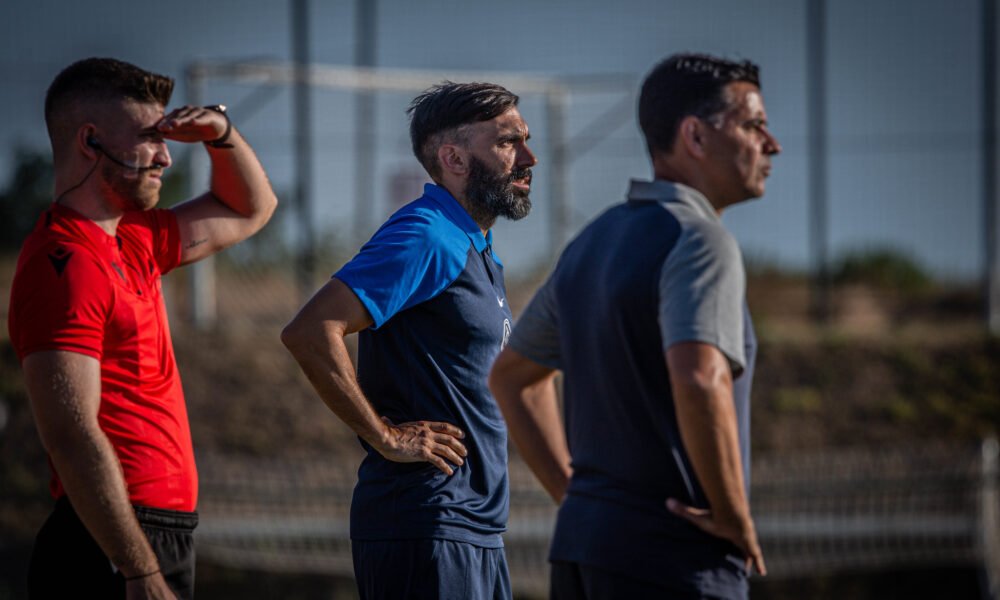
(103, 80)
(446, 107)
(686, 85)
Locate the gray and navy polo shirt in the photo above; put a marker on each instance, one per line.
(435, 291)
(654, 271)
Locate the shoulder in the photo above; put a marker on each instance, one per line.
(424, 223)
(707, 238)
(58, 258)
(706, 259)
(420, 235)
(147, 224)
(152, 233)
(414, 256)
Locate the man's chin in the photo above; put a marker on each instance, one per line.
(144, 202)
(519, 209)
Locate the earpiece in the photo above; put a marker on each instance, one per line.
(93, 143)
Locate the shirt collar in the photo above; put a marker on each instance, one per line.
(70, 219)
(661, 190)
(458, 215)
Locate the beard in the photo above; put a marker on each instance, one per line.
(129, 188)
(491, 194)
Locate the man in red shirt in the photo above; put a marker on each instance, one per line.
(88, 323)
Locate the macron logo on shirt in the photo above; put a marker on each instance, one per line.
(59, 259)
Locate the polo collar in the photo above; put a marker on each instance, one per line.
(457, 215)
(71, 220)
(661, 190)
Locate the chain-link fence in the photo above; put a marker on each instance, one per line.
(820, 513)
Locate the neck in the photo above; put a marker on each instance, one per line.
(477, 211)
(93, 206)
(669, 172)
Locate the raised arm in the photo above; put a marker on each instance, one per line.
(702, 386)
(315, 337)
(525, 391)
(64, 389)
(240, 199)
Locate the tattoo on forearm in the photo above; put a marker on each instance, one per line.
(195, 243)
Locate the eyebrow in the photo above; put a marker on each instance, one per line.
(514, 136)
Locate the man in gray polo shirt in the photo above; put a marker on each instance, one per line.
(646, 317)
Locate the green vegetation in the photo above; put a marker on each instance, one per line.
(883, 268)
(27, 194)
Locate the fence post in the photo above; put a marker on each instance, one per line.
(201, 273)
(989, 516)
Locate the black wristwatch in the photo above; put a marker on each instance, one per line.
(221, 141)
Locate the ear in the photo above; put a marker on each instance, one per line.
(692, 136)
(86, 140)
(453, 159)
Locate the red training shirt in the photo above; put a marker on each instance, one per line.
(78, 289)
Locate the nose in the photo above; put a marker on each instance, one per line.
(771, 145)
(162, 156)
(525, 157)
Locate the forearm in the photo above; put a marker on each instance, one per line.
(64, 389)
(239, 181)
(707, 422)
(92, 477)
(525, 392)
(324, 359)
(535, 425)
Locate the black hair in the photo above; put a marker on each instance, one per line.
(686, 85)
(446, 107)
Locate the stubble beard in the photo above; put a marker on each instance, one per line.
(129, 190)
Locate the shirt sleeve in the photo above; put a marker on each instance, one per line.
(166, 242)
(60, 301)
(702, 290)
(408, 261)
(536, 334)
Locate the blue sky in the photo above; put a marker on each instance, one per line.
(903, 103)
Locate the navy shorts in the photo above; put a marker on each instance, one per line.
(431, 569)
(66, 562)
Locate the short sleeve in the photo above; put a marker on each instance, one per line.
(702, 290)
(536, 334)
(409, 260)
(60, 300)
(166, 238)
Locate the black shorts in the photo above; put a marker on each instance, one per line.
(67, 562)
(573, 581)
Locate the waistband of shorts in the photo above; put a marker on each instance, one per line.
(162, 518)
(174, 520)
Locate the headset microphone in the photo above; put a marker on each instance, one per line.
(93, 144)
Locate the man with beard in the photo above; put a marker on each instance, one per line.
(427, 295)
(646, 317)
(88, 323)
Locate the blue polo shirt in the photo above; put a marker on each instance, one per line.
(435, 291)
(655, 271)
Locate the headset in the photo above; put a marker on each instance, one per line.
(96, 146)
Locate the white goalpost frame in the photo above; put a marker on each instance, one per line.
(556, 91)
